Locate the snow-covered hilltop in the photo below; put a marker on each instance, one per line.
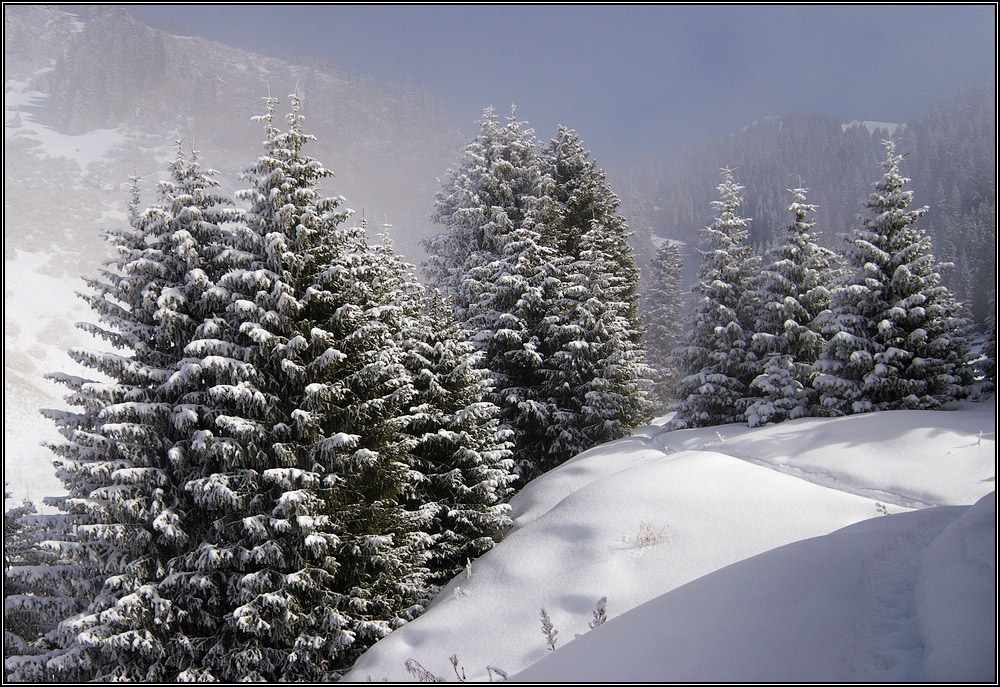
(817, 549)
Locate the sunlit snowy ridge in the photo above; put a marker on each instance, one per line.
(817, 549)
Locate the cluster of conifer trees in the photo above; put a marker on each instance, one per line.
(292, 444)
(804, 331)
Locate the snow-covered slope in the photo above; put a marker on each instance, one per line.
(900, 598)
(661, 518)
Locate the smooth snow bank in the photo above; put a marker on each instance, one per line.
(637, 518)
(956, 597)
(835, 608)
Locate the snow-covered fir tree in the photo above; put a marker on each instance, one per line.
(895, 336)
(47, 578)
(460, 460)
(127, 512)
(20, 627)
(793, 290)
(537, 264)
(499, 276)
(493, 189)
(716, 358)
(44, 583)
(460, 451)
(663, 317)
(594, 369)
(310, 547)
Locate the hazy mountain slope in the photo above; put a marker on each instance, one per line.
(387, 145)
(950, 156)
(94, 97)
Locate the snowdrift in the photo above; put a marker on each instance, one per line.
(816, 549)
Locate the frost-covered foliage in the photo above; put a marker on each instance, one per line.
(318, 558)
(716, 356)
(594, 371)
(459, 457)
(238, 484)
(460, 451)
(536, 262)
(127, 517)
(895, 336)
(41, 586)
(493, 192)
(663, 317)
(501, 279)
(793, 290)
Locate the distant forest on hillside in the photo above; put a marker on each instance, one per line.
(949, 155)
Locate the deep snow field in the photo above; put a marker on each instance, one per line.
(850, 549)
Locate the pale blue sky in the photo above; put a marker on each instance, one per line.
(631, 79)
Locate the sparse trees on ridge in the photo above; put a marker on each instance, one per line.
(663, 316)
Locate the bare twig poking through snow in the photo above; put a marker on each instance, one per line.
(600, 617)
(549, 632)
(414, 668)
(418, 671)
(454, 665)
(490, 670)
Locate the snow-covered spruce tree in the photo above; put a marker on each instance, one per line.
(127, 514)
(460, 451)
(663, 317)
(512, 323)
(499, 276)
(716, 358)
(594, 369)
(895, 338)
(47, 578)
(460, 458)
(793, 290)
(29, 608)
(987, 363)
(310, 547)
(20, 629)
(494, 188)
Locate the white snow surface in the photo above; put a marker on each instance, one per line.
(37, 308)
(730, 553)
(83, 149)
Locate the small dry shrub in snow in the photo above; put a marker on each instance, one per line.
(600, 617)
(414, 668)
(549, 631)
(648, 535)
